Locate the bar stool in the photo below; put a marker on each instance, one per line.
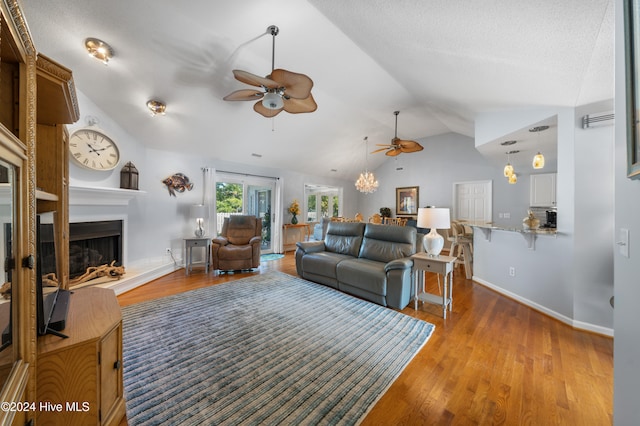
(461, 247)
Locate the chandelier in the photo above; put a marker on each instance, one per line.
(366, 182)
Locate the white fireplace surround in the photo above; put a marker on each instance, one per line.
(86, 204)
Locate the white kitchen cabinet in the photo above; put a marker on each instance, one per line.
(543, 190)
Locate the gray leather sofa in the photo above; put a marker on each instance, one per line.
(366, 260)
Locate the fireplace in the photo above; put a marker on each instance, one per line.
(94, 244)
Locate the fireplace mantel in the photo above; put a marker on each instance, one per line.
(94, 196)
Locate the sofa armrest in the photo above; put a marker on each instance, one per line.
(255, 240)
(311, 246)
(404, 263)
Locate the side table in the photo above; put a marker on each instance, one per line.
(189, 244)
(442, 265)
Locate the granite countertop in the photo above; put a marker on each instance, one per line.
(511, 228)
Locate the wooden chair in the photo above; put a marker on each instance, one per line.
(375, 218)
(359, 217)
(397, 221)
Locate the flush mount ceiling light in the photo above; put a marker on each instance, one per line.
(538, 159)
(156, 107)
(98, 49)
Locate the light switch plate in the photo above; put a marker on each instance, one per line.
(623, 242)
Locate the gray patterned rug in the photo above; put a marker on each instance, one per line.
(270, 349)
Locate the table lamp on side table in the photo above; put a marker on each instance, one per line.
(433, 218)
(199, 212)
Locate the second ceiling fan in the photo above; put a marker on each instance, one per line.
(398, 146)
(281, 90)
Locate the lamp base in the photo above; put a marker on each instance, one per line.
(199, 232)
(433, 243)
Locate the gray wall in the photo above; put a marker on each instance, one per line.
(626, 270)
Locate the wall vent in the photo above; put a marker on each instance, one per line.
(598, 119)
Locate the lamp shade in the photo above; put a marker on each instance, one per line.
(433, 217)
(198, 211)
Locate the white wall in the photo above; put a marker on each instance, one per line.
(155, 219)
(626, 270)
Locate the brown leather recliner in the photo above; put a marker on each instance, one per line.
(238, 246)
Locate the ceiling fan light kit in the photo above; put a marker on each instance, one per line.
(281, 90)
(98, 49)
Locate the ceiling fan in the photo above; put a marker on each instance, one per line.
(398, 146)
(281, 90)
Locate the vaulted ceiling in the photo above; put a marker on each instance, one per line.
(440, 62)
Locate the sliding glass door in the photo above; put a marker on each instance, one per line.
(247, 195)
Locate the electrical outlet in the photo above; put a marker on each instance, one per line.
(512, 271)
(507, 215)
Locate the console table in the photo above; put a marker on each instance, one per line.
(294, 233)
(189, 244)
(443, 265)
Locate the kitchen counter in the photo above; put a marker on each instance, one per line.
(528, 234)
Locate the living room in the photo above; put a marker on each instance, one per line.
(579, 280)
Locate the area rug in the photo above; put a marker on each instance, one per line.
(268, 349)
(270, 256)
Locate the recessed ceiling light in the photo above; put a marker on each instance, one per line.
(156, 107)
(507, 143)
(334, 170)
(98, 49)
(256, 155)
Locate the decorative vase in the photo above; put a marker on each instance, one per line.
(294, 219)
(530, 222)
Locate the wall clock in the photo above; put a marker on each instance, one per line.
(93, 150)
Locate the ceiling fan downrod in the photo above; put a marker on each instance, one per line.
(273, 30)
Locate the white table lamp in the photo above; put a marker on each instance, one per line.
(433, 218)
(199, 212)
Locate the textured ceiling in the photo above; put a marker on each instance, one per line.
(440, 62)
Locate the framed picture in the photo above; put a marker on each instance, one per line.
(632, 60)
(407, 200)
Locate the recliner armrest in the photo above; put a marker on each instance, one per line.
(255, 240)
(311, 246)
(221, 241)
(404, 263)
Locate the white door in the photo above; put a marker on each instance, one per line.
(472, 201)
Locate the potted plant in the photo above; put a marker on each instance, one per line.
(385, 212)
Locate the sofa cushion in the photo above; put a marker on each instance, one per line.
(384, 243)
(364, 274)
(344, 237)
(323, 263)
(232, 252)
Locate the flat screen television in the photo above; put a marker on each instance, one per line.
(52, 302)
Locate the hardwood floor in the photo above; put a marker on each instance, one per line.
(492, 361)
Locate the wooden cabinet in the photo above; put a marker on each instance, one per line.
(543, 190)
(82, 374)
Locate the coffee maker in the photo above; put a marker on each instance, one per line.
(552, 217)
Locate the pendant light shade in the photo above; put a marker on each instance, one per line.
(513, 178)
(538, 161)
(508, 170)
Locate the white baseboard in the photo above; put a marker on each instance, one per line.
(553, 314)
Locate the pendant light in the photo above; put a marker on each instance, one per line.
(366, 182)
(538, 159)
(508, 169)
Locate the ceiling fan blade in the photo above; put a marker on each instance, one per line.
(296, 106)
(385, 144)
(415, 148)
(244, 95)
(394, 152)
(379, 150)
(262, 110)
(296, 85)
(255, 80)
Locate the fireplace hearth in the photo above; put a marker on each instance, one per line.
(94, 244)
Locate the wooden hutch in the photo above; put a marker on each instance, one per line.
(37, 99)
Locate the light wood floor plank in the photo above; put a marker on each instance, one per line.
(492, 361)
